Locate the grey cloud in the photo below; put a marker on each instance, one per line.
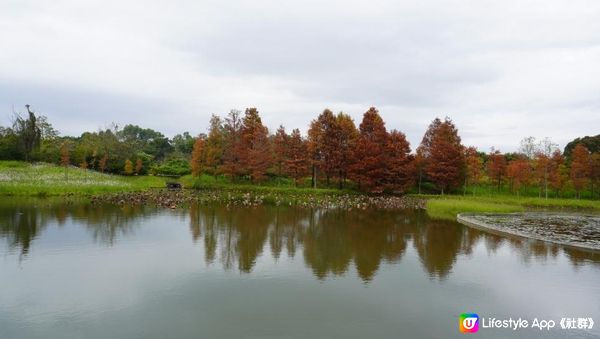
(501, 70)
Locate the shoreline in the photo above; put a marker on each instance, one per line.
(246, 198)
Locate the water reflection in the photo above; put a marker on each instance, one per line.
(21, 222)
(331, 242)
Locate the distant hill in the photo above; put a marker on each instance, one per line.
(591, 143)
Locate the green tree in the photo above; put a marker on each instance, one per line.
(28, 133)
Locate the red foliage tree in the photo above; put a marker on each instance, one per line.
(65, 157)
(594, 171)
(370, 170)
(400, 163)
(541, 164)
(518, 172)
(296, 163)
(424, 150)
(232, 145)
(580, 168)
(347, 135)
(558, 173)
(324, 145)
(496, 167)
(280, 144)
(445, 163)
(314, 149)
(255, 156)
(473, 164)
(197, 157)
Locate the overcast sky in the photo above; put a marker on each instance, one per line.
(502, 70)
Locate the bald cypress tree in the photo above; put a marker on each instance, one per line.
(232, 145)
(255, 154)
(296, 163)
(370, 168)
(580, 168)
(197, 157)
(400, 163)
(445, 161)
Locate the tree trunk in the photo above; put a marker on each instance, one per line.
(546, 183)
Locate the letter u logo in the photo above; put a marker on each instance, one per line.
(468, 323)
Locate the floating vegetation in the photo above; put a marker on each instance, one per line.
(577, 230)
(177, 198)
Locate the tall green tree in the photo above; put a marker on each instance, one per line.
(28, 133)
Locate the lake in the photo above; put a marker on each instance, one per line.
(72, 270)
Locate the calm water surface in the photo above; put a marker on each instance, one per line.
(80, 271)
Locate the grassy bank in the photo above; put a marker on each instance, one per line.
(282, 186)
(24, 179)
(446, 207)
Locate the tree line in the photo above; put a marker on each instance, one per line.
(334, 153)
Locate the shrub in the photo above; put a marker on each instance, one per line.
(173, 167)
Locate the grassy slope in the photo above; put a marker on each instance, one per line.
(19, 178)
(446, 207)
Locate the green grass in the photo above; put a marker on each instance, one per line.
(24, 179)
(446, 207)
(279, 186)
(449, 208)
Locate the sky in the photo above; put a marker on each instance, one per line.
(502, 70)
